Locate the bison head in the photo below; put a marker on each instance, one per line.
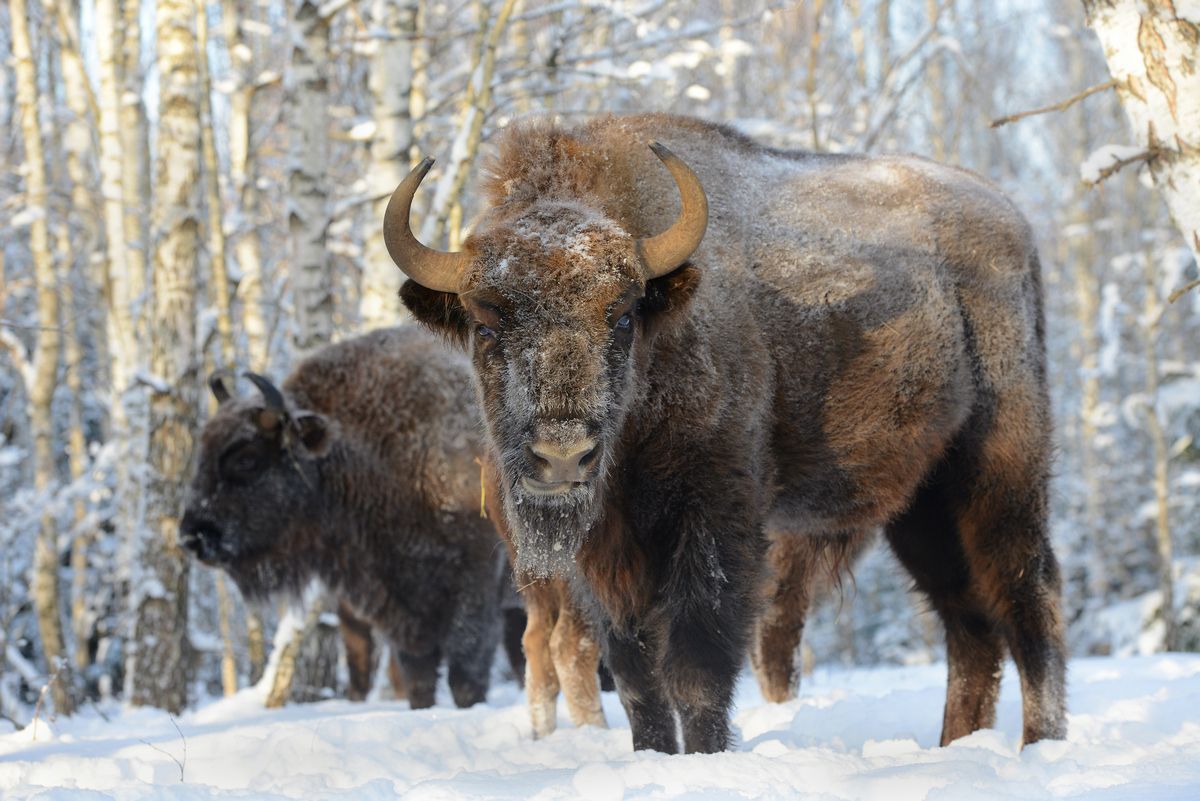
(557, 303)
(255, 488)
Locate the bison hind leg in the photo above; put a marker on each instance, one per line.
(800, 568)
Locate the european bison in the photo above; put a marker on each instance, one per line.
(363, 472)
(818, 346)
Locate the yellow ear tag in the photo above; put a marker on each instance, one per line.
(482, 492)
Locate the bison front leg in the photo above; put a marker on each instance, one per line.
(651, 718)
(420, 671)
(360, 652)
(716, 575)
(541, 680)
(576, 654)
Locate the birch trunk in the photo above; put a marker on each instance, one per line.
(247, 246)
(1152, 315)
(470, 131)
(122, 342)
(212, 197)
(308, 194)
(312, 289)
(390, 83)
(1152, 48)
(222, 300)
(44, 582)
(159, 656)
(80, 155)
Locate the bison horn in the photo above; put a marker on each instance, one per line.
(432, 269)
(663, 253)
(216, 382)
(276, 409)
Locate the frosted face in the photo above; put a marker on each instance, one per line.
(248, 500)
(554, 302)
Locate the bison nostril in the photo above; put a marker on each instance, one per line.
(535, 461)
(586, 460)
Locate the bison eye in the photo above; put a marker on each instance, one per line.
(485, 332)
(625, 321)
(242, 464)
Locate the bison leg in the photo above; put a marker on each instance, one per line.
(1017, 575)
(471, 645)
(925, 539)
(515, 622)
(650, 715)
(396, 676)
(541, 680)
(576, 655)
(420, 671)
(360, 652)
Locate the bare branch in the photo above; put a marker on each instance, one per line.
(1119, 164)
(1183, 290)
(1062, 105)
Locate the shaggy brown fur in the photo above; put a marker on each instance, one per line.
(368, 480)
(856, 343)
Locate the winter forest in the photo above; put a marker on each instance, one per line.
(190, 187)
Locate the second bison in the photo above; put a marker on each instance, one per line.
(362, 473)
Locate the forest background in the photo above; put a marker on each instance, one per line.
(191, 186)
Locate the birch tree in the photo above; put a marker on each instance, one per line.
(308, 192)
(476, 105)
(312, 292)
(243, 175)
(390, 83)
(45, 361)
(1153, 48)
(159, 663)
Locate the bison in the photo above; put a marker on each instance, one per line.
(362, 472)
(676, 364)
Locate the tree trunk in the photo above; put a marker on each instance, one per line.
(80, 153)
(470, 131)
(247, 247)
(1153, 49)
(308, 204)
(44, 587)
(1152, 317)
(390, 83)
(159, 654)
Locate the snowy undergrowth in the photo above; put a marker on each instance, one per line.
(853, 734)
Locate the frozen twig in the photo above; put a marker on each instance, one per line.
(1062, 105)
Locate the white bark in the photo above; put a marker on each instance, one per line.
(159, 658)
(390, 82)
(1153, 48)
(308, 193)
(44, 584)
(247, 246)
(470, 131)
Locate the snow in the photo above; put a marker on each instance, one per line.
(853, 734)
(1104, 157)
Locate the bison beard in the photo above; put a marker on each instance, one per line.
(845, 344)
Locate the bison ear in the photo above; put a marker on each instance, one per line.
(667, 298)
(312, 432)
(440, 311)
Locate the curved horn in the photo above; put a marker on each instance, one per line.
(216, 382)
(432, 269)
(663, 253)
(276, 409)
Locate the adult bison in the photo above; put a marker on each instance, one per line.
(818, 346)
(362, 472)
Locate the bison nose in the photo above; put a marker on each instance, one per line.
(199, 536)
(562, 463)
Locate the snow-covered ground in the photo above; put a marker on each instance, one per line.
(856, 734)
